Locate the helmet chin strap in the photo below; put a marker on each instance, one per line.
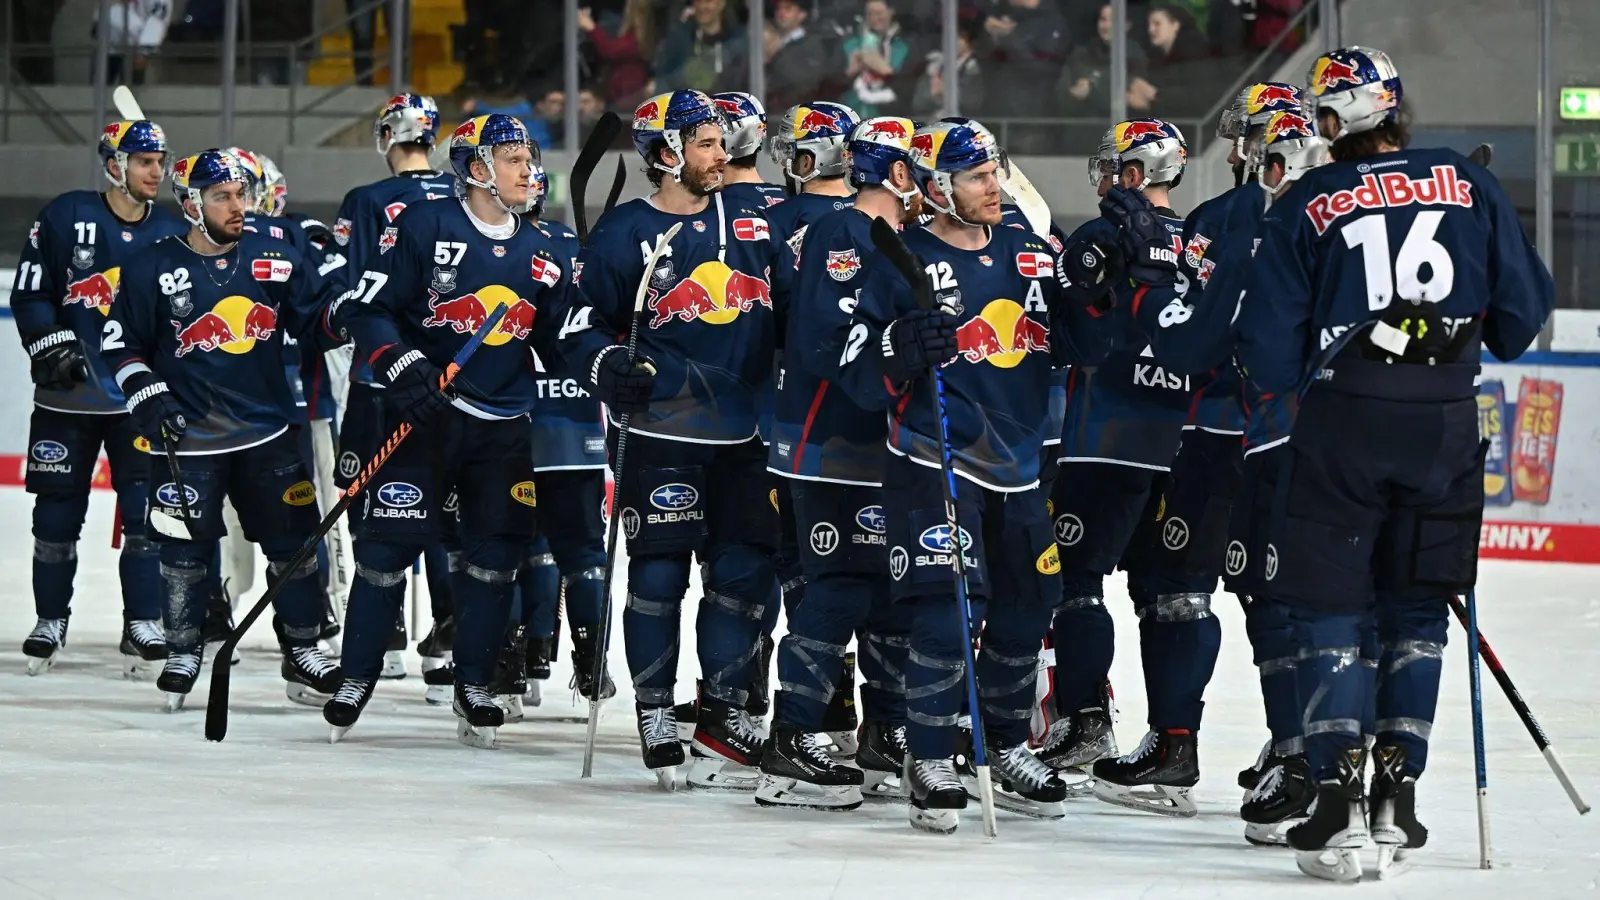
(199, 222)
(121, 183)
(947, 188)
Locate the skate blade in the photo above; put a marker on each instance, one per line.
(480, 738)
(1270, 834)
(438, 694)
(1161, 799)
(718, 774)
(666, 778)
(511, 704)
(885, 786)
(1022, 806)
(174, 701)
(934, 821)
(394, 666)
(336, 733)
(533, 696)
(1342, 865)
(1080, 784)
(773, 791)
(844, 744)
(38, 665)
(305, 695)
(1393, 861)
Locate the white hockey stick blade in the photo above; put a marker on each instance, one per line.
(171, 526)
(127, 107)
(1027, 198)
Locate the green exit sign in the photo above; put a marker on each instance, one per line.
(1580, 103)
(1578, 154)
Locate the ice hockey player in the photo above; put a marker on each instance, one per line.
(195, 342)
(743, 137)
(997, 322)
(695, 480)
(66, 280)
(1122, 432)
(1192, 335)
(830, 452)
(441, 269)
(405, 130)
(569, 464)
(1378, 278)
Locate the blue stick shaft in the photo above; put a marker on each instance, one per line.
(963, 602)
(1478, 755)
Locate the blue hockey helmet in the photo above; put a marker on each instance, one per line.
(1359, 86)
(747, 123)
(121, 139)
(1157, 146)
(192, 175)
(666, 119)
(946, 148)
(874, 147)
(478, 139)
(820, 128)
(409, 119)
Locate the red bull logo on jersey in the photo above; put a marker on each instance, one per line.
(1267, 97)
(1002, 335)
(232, 326)
(713, 293)
(464, 314)
(95, 292)
(1329, 74)
(1129, 133)
(1444, 187)
(842, 265)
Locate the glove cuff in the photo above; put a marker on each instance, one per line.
(600, 361)
(53, 339)
(394, 370)
(145, 393)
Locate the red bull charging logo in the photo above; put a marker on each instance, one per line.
(232, 326)
(465, 313)
(1269, 97)
(1130, 133)
(1002, 335)
(808, 121)
(1330, 73)
(888, 130)
(713, 293)
(652, 114)
(1288, 125)
(95, 292)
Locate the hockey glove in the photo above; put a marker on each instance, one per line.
(1147, 243)
(1087, 271)
(58, 361)
(412, 384)
(156, 413)
(622, 385)
(915, 341)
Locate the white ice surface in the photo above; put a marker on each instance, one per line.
(102, 794)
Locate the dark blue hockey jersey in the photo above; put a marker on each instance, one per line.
(1011, 215)
(212, 327)
(708, 320)
(1131, 410)
(314, 376)
(754, 194)
(819, 432)
(567, 431)
(1015, 327)
(66, 278)
(1352, 238)
(437, 277)
(308, 381)
(1217, 407)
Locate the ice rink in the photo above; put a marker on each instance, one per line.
(102, 794)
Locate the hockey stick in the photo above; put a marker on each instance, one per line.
(169, 525)
(888, 242)
(1482, 154)
(1474, 679)
(660, 249)
(1514, 697)
(217, 703)
(600, 139)
(127, 107)
(616, 185)
(1026, 196)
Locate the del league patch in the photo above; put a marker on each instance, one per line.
(752, 229)
(271, 269)
(545, 272)
(1036, 265)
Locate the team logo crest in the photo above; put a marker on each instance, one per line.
(83, 256)
(499, 252)
(843, 264)
(386, 241)
(33, 236)
(444, 279)
(700, 227)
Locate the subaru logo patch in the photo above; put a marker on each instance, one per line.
(674, 496)
(167, 495)
(871, 519)
(49, 451)
(937, 539)
(399, 494)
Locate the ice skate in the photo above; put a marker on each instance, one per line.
(936, 794)
(1393, 813)
(478, 718)
(839, 719)
(178, 676)
(44, 644)
(310, 678)
(726, 748)
(143, 648)
(510, 681)
(1249, 778)
(216, 628)
(1281, 799)
(1328, 844)
(541, 652)
(796, 772)
(342, 711)
(1075, 743)
(881, 756)
(659, 744)
(1023, 784)
(435, 647)
(394, 658)
(583, 660)
(1156, 777)
(441, 682)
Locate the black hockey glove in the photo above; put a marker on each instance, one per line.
(412, 384)
(156, 413)
(58, 361)
(1147, 243)
(623, 386)
(915, 341)
(1087, 271)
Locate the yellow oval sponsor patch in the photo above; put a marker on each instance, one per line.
(1049, 562)
(300, 494)
(1050, 509)
(523, 492)
(141, 444)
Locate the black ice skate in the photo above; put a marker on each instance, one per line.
(1075, 743)
(1249, 778)
(1156, 777)
(726, 748)
(510, 680)
(178, 676)
(881, 754)
(1393, 812)
(478, 717)
(1281, 799)
(435, 647)
(1327, 845)
(44, 643)
(797, 772)
(394, 656)
(310, 678)
(143, 648)
(342, 711)
(1023, 783)
(541, 653)
(936, 794)
(659, 744)
(584, 644)
(839, 719)
(217, 627)
(441, 684)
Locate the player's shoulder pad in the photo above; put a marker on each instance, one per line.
(69, 204)
(618, 227)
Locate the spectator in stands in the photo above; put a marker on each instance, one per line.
(137, 25)
(624, 45)
(1085, 86)
(542, 112)
(1180, 80)
(874, 56)
(701, 49)
(1023, 49)
(928, 100)
(797, 61)
(1218, 21)
(1264, 20)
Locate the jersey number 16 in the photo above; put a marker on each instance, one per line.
(1404, 276)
